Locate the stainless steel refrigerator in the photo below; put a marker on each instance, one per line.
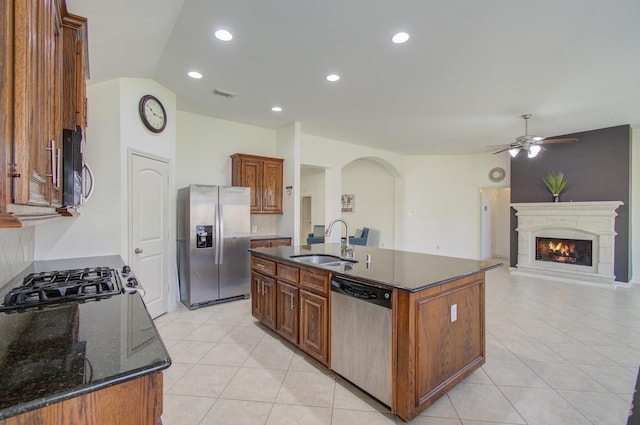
(213, 244)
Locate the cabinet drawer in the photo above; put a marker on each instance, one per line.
(260, 243)
(288, 273)
(314, 281)
(281, 242)
(263, 266)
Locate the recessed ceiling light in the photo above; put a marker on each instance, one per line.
(223, 35)
(333, 77)
(400, 37)
(194, 74)
(276, 109)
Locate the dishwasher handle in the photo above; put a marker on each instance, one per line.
(364, 292)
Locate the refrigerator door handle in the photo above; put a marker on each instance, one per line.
(220, 233)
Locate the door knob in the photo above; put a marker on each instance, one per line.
(138, 251)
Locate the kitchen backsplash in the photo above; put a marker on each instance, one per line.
(263, 224)
(17, 248)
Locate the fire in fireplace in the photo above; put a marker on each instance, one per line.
(568, 251)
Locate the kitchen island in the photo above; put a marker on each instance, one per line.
(93, 362)
(437, 312)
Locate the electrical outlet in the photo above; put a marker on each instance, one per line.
(454, 313)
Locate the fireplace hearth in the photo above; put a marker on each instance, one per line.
(566, 251)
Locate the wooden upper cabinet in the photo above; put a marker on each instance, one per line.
(248, 173)
(32, 101)
(6, 102)
(36, 140)
(264, 176)
(76, 70)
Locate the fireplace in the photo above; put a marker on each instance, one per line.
(568, 241)
(566, 251)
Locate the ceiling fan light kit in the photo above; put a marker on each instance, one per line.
(529, 143)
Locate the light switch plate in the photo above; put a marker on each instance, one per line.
(454, 312)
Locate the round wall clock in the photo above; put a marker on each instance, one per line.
(497, 174)
(152, 113)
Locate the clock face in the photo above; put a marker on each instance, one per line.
(496, 174)
(152, 113)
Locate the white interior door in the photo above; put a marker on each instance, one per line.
(149, 228)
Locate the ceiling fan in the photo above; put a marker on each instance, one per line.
(530, 143)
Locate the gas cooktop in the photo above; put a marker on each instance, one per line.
(43, 289)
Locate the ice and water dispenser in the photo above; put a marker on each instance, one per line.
(205, 237)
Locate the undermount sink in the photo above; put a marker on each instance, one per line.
(323, 259)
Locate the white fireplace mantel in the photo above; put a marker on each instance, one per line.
(581, 220)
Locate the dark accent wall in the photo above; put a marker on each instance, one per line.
(598, 168)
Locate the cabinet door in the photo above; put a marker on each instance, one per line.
(314, 332)
(256, 295)
(251, 176)
(54, 107)
(287, 309)
(269, 302)
(6, 103)
(272, 186)
(74, 33)
(36, 146)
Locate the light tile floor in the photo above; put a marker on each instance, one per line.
(557, 354)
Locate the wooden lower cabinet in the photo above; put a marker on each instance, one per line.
(299, 300)
(263, 299)
(287, 303)
(434, 348)
(314, 329)
(134, 402)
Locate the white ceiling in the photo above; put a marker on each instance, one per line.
(461, 82)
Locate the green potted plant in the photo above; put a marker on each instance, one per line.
(556, 182)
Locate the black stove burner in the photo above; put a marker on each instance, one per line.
(46, 288)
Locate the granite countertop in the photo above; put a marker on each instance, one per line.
(263, 237)
(409, 271)
(59, 352)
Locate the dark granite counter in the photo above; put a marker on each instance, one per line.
(409, 271)
(56, 353)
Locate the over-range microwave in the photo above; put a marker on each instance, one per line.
(77, 181)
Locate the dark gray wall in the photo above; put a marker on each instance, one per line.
(598, 168)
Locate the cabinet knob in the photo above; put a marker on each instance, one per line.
(138, 251)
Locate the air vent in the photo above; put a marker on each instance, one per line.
(224, 93)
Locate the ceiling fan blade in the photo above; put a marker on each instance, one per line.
(552, 141)
(505, 149)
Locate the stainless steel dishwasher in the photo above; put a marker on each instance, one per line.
(361, 336)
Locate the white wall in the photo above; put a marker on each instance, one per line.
(374, 190)
(16, 251)
(441, 203)
(333, 155)
(98, 229)
(114, 127)
(204, 146)
(288, 148)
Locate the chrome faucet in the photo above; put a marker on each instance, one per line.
(345, 246)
